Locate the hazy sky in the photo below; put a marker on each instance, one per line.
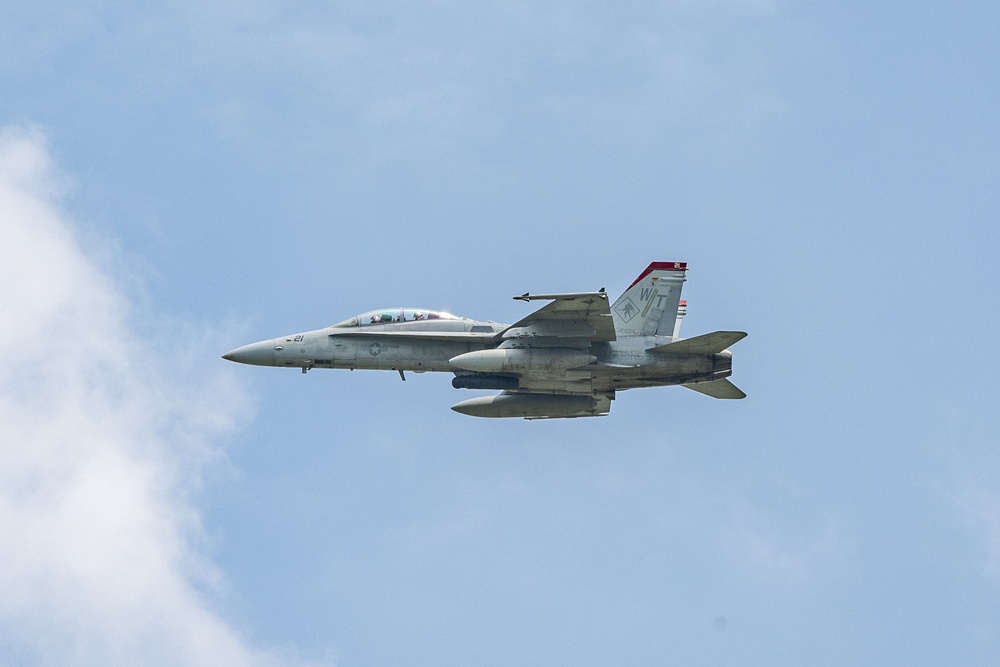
(180, 179)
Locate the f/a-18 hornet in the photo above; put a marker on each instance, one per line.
(566, 359)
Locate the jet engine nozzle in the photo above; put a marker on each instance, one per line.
(722, 362)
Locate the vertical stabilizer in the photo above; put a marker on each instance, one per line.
(682, 309)
(649, 306)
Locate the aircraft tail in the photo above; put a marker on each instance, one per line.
(682, 310)
(649, 306)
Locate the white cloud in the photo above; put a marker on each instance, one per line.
(102, 439)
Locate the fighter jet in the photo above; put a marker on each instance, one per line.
(566, 359)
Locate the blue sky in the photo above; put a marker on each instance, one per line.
(181, 179)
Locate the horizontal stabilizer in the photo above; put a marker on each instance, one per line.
(710, 343)
(717, 389)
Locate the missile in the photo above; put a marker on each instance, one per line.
(525, 405)
(485, 382)
(504, 360)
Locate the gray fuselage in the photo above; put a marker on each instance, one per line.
(423, 346)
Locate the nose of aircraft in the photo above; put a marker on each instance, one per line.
(258, 354)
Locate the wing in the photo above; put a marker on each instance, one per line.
(584, 316)
(570, 321)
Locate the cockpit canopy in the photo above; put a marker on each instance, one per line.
(390, 315)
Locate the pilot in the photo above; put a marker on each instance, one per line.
(418, 315)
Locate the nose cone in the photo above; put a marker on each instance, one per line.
(257, 354)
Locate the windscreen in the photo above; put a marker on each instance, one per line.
(391, 315)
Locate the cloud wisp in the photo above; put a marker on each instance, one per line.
(101, 444)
